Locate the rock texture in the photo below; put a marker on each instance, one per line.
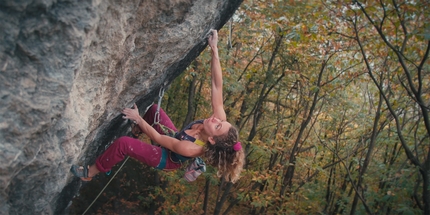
(68, 67)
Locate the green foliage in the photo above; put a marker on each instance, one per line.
(297, 85)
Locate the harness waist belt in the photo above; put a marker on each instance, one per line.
(163, 159)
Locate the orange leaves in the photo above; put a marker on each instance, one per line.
(262, 177)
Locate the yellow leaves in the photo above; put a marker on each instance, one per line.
(395, 104)
(304, 28)
(341, 120)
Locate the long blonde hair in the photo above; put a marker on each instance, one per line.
(223, 156)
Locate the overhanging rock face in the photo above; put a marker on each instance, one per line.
(67, 68)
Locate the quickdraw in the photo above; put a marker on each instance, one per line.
(135, 130)
(166, 130)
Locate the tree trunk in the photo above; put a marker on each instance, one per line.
(225, 193)
(205, 202)
(288, 176)
(363, 168)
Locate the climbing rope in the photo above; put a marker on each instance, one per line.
(106, 185)
(156, 122)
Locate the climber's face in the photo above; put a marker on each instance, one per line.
(215, 127)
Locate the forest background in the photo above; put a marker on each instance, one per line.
(331, 99)
(332, 102)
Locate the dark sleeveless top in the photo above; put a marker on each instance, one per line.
(181, 135)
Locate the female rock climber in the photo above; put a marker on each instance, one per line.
(214, 137)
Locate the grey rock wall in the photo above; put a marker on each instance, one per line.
(68, 67)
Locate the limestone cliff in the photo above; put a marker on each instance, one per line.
(68, 67)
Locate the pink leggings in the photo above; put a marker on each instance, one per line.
(144, 152)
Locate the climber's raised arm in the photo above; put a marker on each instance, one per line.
(216, 75)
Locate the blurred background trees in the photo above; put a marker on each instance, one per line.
(331, 99)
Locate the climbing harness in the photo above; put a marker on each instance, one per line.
(195, 167)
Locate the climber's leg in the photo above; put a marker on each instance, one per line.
(127, 146)
(164, 119)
